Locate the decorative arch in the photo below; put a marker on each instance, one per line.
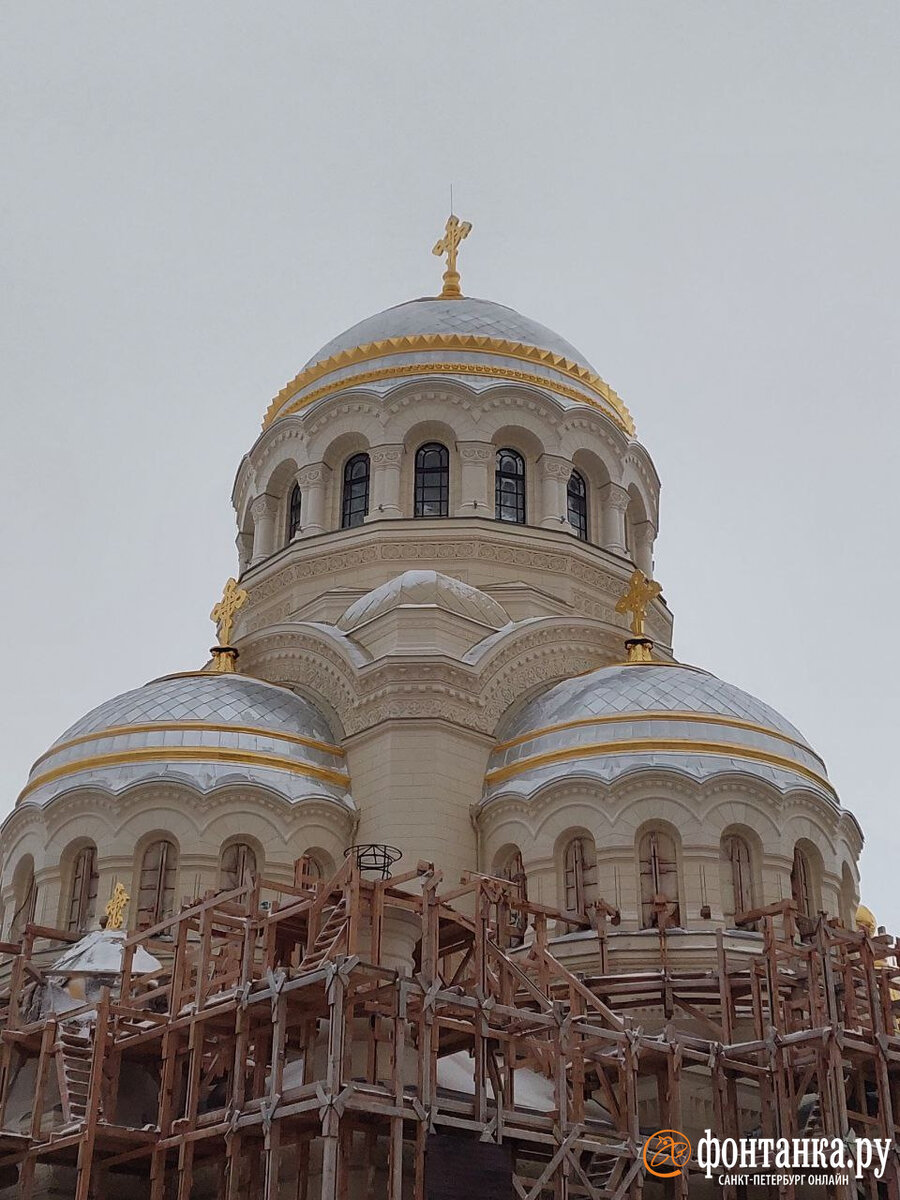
(806, 880)
(355, 490)
(577, 505)
(431, 494)
(510, 486)
(508, 864)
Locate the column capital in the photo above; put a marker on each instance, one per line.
(264, 505)
(615, 496)
(389, 455)
(313, 474)
(476, 452)
(551, 466)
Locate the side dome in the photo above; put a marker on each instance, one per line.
(477, 340)
(637, 716)
(200, 728)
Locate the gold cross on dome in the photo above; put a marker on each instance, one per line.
(455, 231)
(636, 599)
(115, 909)
(233, 598)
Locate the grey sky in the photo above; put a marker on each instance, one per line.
(703, 197)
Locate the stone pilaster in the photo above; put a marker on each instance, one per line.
(476, 491)
(313, 482)
(554, 475)
(263, 510)
(642, 551)
(615, 502)
(384, 493)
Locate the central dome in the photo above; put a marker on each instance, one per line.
(467, 315)
(479, 341)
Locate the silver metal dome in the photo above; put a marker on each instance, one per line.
(467, 315)
(639, 715)
(476, 340)
(203, 729)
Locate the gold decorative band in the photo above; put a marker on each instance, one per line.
(613, 405)
(651, 745)
(697, 717)
(189, 727)
(188, 754)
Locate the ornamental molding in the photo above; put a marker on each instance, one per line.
(592, 389)
(386, 456)
(551, 467)
(477, 452)
(264, 505)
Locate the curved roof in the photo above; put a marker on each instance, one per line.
(478, 340)
(466, 315)
(203, 728)
(425, 587)
(638, 715)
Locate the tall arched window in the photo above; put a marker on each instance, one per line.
(660, 905)
(509, 487)
(737, 876)
(432, 497)
(580, 874)
(83, 891)
(25, 890)
(156, 889)
(355, 498)
(294, 512)
(802, 884)
(237, 866)
(576, 495)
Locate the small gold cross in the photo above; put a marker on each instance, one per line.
(115, 910)
(636, 599)
(454, 232)
(233, 598)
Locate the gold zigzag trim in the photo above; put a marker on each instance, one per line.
(188, 754)
(447, 341)
(651, 745)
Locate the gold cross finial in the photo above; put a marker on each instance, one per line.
(454, 232)
(636, 599)
(115, 910)
(233, 598)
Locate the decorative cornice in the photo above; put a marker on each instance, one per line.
(593, 390)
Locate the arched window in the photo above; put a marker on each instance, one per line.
(237, 866)
(294, 511)
(509, 487)
(802, 884)
(737, 876)
(511, 867)
(580, 874)
(83, 891)
(432, 497)
(660, 906)
(576, 494)
(156, 888)
(25, 890)
(355, 500)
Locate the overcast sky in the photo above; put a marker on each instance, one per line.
(703, 197)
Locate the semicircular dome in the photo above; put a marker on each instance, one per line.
(478, 340)
(201, 728)
(635, 716)
(425, 587)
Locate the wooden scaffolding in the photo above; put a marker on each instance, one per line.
(295, 1044)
